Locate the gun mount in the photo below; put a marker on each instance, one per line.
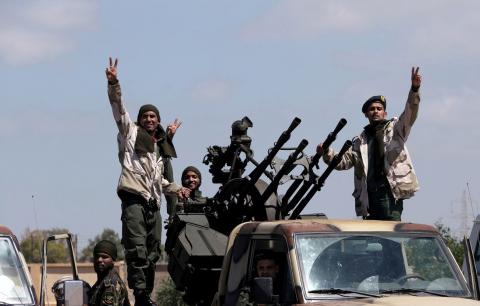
(196, 242)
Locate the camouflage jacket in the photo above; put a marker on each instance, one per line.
(109, 291)
(398, 165)
(141, 175)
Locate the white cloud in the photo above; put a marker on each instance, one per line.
(459, 110)
(212, 91)
(61, 15)
(440, 27)
(20, 46)
(305, 19)
(40, 30)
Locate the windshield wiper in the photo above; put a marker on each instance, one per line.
(343, 291)
(410, 290)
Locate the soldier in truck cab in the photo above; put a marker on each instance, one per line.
(267, 266)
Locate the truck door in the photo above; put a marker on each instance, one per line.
(264, 256)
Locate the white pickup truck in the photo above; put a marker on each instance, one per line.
(16, 286)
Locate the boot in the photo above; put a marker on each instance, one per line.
(142, 298)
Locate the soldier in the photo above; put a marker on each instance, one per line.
(383, 171)
(140, 187)
(109, 289)
(265, 266)
(192, 179)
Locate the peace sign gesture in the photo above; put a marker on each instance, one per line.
(416, 78)
(111, 71)
(172, 127)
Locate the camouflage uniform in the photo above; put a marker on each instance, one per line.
(109, 291)
(244, 298)
(140, 187)
(194, 204)
(398, 167)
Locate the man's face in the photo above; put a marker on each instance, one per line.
(267, 268)
(375, 112)
(191, 180)
(149, 121)
(102, 263)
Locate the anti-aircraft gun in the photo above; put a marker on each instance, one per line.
(196, 242)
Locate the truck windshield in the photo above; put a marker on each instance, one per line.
(380, 263)
(14, 287)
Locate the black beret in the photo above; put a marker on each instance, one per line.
(379, 99)
(107, 247)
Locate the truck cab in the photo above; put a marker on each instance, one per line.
(475, 241)
(358, 262)
(16, 286)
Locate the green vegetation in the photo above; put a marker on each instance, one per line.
(454, 244)
(31, 246)
(86, 255)
(167, 295)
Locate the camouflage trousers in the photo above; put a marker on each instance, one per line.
(141, 235)
(383, 206)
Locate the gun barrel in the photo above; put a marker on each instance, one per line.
(341, 123)
(286, 205)
(320, 181)
(284, 137)
(272, 187)
(333, 135)
(335, 161)
(295, 122)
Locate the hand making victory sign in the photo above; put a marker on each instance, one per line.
(416, 78)
(172, 127)
(111, 71)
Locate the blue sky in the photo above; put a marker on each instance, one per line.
(212, 62)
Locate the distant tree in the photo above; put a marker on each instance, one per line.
(107, 234)
(455, 244)
(32, 241)
(167, 295)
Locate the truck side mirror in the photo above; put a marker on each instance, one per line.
(262, 291)
(69, 292)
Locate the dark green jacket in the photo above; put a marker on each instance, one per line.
(109, 291)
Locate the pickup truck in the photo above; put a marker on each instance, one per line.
(348, 262)
(15, 281)
(16, 287)
(475, 241)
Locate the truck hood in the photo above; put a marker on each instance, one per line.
(400, 301)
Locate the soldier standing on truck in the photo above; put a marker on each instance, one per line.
(140, 188)
(383, 171)
(109, 288)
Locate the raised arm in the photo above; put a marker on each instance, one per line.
(120, 114)
(409, 115)
(416, 79)
(111, 71)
